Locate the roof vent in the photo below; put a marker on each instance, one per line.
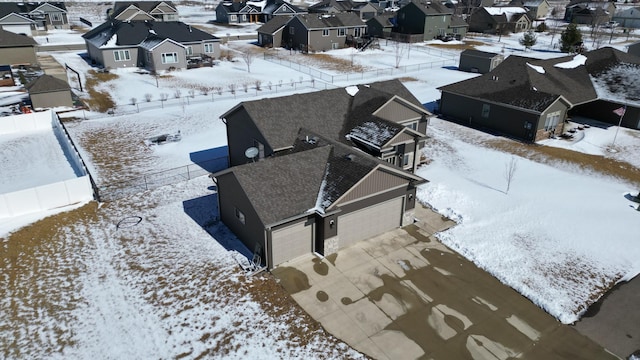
(311, 139)
(350, 157)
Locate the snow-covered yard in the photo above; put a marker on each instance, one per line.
(78, 285)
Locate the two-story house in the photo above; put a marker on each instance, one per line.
(321, 171)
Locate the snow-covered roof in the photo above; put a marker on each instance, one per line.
(578, 60)
(508, 10)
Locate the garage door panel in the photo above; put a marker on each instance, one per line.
(369, 222)
(18, 29)
(290, 242)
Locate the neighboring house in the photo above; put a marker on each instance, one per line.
(317, 184)
(238, 12)
(47, 92)
(331, 7)
(270, 34)
(321, 32)
(6, 75)
(17, 48)
(465, 7)
(499, 19)
(537, 9)
(366, 10)
(153, 45)
(144, 10)
(634, 49)
(628, 18)
(590, 13)
(479, 61)
(427, 21)
(529, 99)
(381, 26)
(25, 17)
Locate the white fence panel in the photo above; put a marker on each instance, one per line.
(26, 122)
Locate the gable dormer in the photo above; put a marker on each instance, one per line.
(401, 111)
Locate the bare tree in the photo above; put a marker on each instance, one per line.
(148, 97)
(133, 101)
(177, 93)
(192, 93)
(510, 171)
(245, 87)
(399, 52)
(163, 98)
(248, 58)
(258, 85)
(232, 88)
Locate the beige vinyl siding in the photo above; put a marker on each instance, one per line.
(375, 182)
(51, 99)
(18, 55)
(397, 111)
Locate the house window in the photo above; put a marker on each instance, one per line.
(357, 32)
(552, 121)
(413, 125)
(240, 216)
(233, 17)
(325, 32)
(208, 48)
(342, 32)
(189, 50)
(169, 58)
(391, 159)
(55, 17)
(244, 17)
(485, 110)
(292, 30)
(121, 55)
(406, 160)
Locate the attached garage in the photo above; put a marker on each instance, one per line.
(292, 241)
(370, 221)
(18, 29)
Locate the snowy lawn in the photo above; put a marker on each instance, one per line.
(561, 236)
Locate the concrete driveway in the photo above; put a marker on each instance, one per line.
(404, 295)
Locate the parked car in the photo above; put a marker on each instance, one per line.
(610, 24)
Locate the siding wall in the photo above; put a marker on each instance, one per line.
(51, 99)
(501, 119)
(109, 60)
(18, 55)
(169, 47)
(241, 133)
(375, 182)
(232, 197)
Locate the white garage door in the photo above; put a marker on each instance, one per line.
(369, 222)
(290, 242)
(18, 29)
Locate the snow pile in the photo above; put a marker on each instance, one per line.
(537, 68)
(578, 60)
(352, 90)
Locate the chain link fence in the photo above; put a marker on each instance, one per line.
(119, 190)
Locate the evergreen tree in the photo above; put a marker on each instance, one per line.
(528, 39)
(569, 38)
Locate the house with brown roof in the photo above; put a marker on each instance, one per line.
(320, 171)
(529, 99)
(17, 48)
(48, 91)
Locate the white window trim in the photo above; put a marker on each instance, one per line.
(189, 50)
(55, 16)
(326, 32)
(343, 31)
(121, 55)
(240, 216)
(173, 55)
(233, 17)
(209, 48)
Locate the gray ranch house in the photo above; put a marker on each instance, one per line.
(156, 46)
(529, 99)
(589, 12)
(537, 9)
(321, 32)
(271, 33)
(143, 10)
(495, 20)
(238, 12)
(628, 18)
(26, 17)
(331, 168)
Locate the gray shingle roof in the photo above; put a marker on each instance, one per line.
(146, 6)
(325, 5)
(321, 21)
(47, 83)
(283, 186)
(23, 8)
(309, 177)
(9, 39)
(478, 53)
(135, 32)
(273, 25)
(330, 113)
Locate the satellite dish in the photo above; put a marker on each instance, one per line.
(251, 152)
